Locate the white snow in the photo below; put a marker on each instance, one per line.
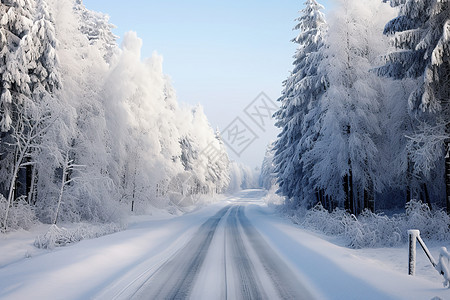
(106, 267)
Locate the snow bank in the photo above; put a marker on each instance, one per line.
(337, 272)
(375, 229)
(56, 236)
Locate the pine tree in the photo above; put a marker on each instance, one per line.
(267, 177)
(16, 22)
(421, 35)
(344, 156)
(32, 78)
(301, 92)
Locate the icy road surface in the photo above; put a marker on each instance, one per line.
(237, 248)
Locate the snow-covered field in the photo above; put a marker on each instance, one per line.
(115, 265)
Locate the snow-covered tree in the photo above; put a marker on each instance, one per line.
(80, 130)
(16, 22)
(211, 166)
(300, 96)
(242, 177)
(421, 36)
(87, 127)
(344, 158)
(15, 95)
(98, 30)
(32, 80)
(267, 178)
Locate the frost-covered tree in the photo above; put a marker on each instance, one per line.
(16, 22)
(300, 96)
(344, 158)
(242, 177)
(39, 50)
(267, 178)
(87, 128)
(32, 79)
(98, 30)
(80, 130)
(210, 169)
(219, 165)
(421, 36)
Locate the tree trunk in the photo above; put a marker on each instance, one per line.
(346, 192)
(447, 175)
(63, 183)
(408, 180)
(349, 205)
(32, 191)
(328, 201)
(12, 184)
(426, 195)
(369, 199)
(350, 193)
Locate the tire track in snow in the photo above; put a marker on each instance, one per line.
(284, 280)
(175, 278)
(249, 285)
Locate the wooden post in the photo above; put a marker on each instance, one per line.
(412, 237)
(427, 252)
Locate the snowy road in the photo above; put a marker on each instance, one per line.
(250, 269)
(237, 248)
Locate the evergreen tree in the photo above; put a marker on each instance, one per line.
(267, 177)
(421, 36)
(301, 91)
(15, 23)
(344, 156)
(29, 80)
(39, 49)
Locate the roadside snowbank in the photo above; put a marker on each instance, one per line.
(342, 273)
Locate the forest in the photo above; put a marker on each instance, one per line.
(364, 114)
(90, 129)
(112, 188)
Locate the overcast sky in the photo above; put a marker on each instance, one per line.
(221, 54)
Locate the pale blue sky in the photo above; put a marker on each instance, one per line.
(220, 54)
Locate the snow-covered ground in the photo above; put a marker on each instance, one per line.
(117, 265)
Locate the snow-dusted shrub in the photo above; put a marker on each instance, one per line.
(318, 218)
(21, 215)
(432, 224)
(376, 229)
(272, 198)
(58, 237)
(372, 230)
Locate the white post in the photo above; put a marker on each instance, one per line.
(412, 234)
